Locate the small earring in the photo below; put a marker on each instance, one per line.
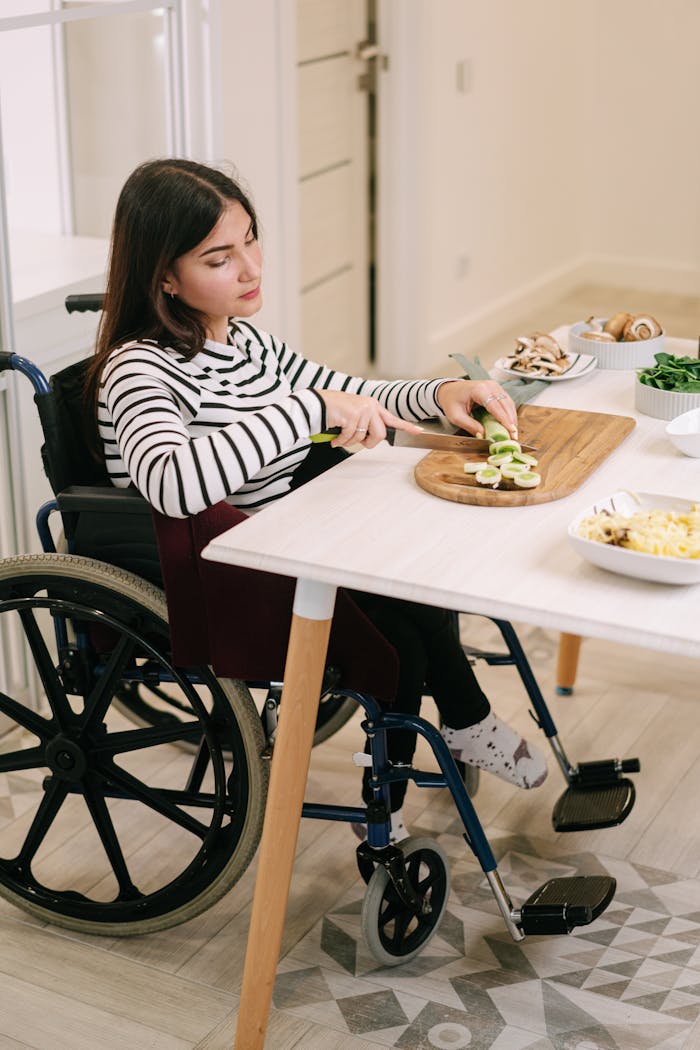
(171, 294)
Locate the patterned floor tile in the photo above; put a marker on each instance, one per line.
(630, 981)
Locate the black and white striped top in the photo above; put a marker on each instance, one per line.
(233, 423)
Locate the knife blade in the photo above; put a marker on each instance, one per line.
(428, 439)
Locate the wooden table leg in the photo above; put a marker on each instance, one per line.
(303, 676)
(567, 662)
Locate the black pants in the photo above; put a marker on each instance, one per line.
(431, 659)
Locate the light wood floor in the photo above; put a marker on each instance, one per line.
(177, 990)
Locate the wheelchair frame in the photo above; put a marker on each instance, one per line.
(408, 884)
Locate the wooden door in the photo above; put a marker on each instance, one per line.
(333, 184)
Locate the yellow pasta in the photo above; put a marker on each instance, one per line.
(664, 532)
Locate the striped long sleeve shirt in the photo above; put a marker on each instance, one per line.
(233, 423)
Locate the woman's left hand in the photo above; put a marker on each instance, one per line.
(458, 397)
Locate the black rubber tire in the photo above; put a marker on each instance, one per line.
(129, 833)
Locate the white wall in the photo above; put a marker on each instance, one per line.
(501, 191)
(570, 157)
(258, 139)
(29, 130)
(640, 106)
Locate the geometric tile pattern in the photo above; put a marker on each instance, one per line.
(629, 981)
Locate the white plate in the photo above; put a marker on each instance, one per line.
(656, 567)
(581, 365)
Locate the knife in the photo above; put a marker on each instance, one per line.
(427, 439)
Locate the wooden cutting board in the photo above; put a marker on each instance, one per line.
(571, 444)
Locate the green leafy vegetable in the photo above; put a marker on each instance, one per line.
(672, 373)
(521, 390)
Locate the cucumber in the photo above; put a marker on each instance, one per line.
(496, 447)
(493, 430)
(488, 476)
(510, 470)
(527, 480)
(525, 457)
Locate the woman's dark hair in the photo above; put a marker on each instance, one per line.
(166, 208)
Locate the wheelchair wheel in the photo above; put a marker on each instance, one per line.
(394, 932)
(149, 705)
(333, 712)
(113, 828)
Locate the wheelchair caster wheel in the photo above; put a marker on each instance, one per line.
(394, 932)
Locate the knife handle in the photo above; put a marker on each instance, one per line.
(330, 432)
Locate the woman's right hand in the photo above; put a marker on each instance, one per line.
(363, 421)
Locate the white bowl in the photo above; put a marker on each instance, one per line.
(663, 404)
(655, 567)
(684, 432)
(638, 354)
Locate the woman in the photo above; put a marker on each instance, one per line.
(195, 405)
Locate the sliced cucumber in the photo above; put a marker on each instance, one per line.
(501, 459)
(496, 447)
(525, 457)
(472, 467)
(527, 480)
(493, 430)
(510, 470)
(488, 476)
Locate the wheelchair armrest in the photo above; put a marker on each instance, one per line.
(102, 499)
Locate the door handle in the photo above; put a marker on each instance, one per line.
(368, 51)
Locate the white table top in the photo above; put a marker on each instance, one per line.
(367, 525)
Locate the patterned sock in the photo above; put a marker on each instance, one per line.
(495, 747)
(399, 831)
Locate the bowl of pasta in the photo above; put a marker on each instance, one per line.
(641, 534)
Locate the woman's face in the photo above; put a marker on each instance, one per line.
(221, 277)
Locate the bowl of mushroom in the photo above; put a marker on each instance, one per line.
(624, 341)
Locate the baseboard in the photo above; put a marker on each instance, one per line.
(647, 275)
(502, 313)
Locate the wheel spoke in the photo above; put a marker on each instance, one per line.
(37, 725)
(137, 739)
(155, 799)
(101, 695)
(55, 693)
(403, 921)
(54, 797)
(25, 758)
(105, 829)
(392, 907)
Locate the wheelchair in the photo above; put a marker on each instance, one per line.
(140, 718)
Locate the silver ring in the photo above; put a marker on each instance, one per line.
(491, 397)
(360, 430)
(501, 397)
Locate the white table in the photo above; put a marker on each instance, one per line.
(367, 525)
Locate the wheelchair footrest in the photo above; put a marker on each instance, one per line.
(584, 807)
(562, 904)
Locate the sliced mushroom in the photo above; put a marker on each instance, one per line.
(599, 337)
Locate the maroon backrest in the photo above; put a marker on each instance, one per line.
(238, 620)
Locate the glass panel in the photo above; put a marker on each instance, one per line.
(30, 130)
(116, 96)
(23, 8)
